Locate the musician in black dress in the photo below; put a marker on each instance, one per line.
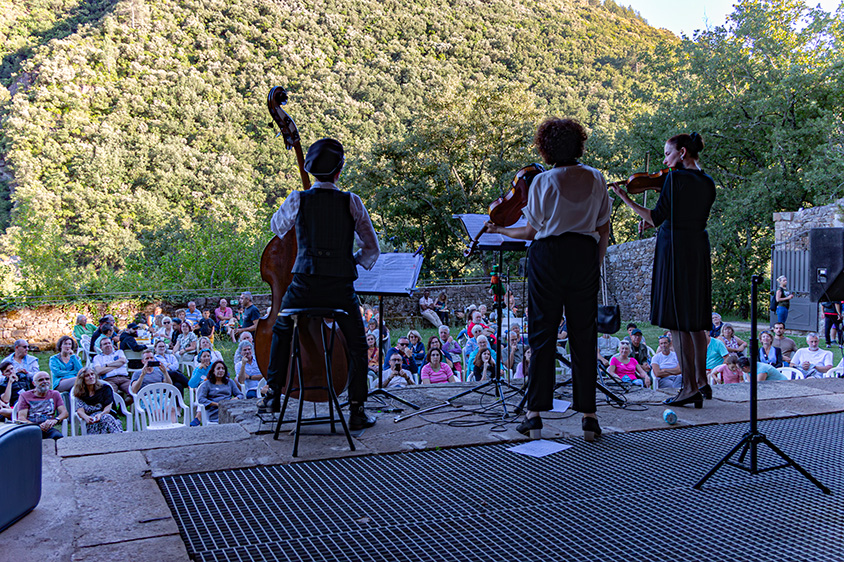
(681, 290)
(568, 211)
(327, 223)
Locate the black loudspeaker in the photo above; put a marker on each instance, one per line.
(826, 264)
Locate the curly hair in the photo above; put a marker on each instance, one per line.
(560, 140)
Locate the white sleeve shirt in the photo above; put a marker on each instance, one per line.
(285, 218)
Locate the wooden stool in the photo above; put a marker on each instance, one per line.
(296, 364)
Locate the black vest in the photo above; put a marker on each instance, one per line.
(325, 234)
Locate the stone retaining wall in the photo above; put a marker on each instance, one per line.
(787, 225)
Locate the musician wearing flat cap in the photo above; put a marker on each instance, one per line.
(327, 221)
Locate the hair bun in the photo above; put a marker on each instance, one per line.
(697, 141)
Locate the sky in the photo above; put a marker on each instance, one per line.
(685, 17)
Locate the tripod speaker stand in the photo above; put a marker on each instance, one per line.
(753, 438)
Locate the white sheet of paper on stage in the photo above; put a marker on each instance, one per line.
(560, 406)
(539, 448)
(393, 274)
(473, 224)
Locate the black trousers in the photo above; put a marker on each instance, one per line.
(828, 322)
(563, 275)
(322, 292)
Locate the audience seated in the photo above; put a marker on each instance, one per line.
(95, 403)
(764, 371)
(170, 363)
(205, 343)
(395, 376)
(607, 347)
(767, 352)
(242, 339)
(186, 342)
(513, 353)
(483, 343)
(416, 347)
(450, 346)
(402, 349)
(218, 388)
(107, 320)
(477, 320)
(733, 343)
(43, 406)
(206, 325)
(666, 366)
(64, 366)
(165, 333)
(483, 364)
(426, 308)
(200, 372)
(21, 358)
(638, 349)
(716, 352)
(106, 333)
(786, 344)
(729, 372)
(149, 374)
(193, 315)
(627, 368)
(441, 307)
(472, 343)
(716, 325)
(631, 327)
(83, 327)
(436, 370)
(435, 343)
(111, 367)
(224, 316)
(13, 381)
(128, 342)
(372, 354)
(523, 368)
(247, 371)
(812, 361)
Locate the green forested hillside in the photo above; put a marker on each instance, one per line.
(145, 121)
(137, 153)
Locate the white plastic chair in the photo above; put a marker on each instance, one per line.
(792, 373)
(64, 421)
(158, 406)
(119, 407)
(82, 351)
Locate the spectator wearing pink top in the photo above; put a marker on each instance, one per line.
(729, 372)
(626, 368)
(435, 371)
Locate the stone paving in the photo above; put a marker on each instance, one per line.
(100, 500)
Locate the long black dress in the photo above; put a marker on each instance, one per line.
(681, 290)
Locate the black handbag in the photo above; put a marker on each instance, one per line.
(609, 315)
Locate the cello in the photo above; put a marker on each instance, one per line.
(506, 210)
(277, 271)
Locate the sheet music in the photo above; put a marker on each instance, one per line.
(394, 274)
(474, 223)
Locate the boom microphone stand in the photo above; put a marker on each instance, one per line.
(751, 440)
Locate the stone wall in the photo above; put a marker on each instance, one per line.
(628, 272)
(791, 224)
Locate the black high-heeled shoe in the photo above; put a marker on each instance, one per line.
(696, 399)
(531, 426)
(591, 429)
(706, 390)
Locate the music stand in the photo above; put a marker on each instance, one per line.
(499, 243)
(394, 274)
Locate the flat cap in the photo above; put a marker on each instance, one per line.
(325, 157)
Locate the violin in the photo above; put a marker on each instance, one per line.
(644, 181)
(506, 211)
(277, 270)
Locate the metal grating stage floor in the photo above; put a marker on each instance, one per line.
(626, 498)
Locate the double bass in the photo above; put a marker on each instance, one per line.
(277, 270)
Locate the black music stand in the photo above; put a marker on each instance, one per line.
(394, 274)
(753, 438)
(498, 243)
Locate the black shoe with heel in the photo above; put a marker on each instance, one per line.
(696, 399)
(531, 426)
(591, 429)
(706, 390)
